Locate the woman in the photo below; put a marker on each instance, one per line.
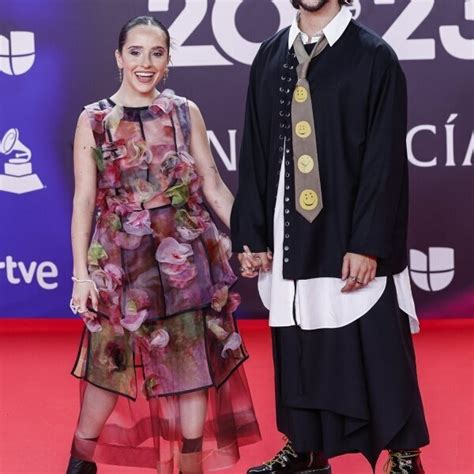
(153, 286)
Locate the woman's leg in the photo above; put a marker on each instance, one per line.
(192, 409)
(97, 406)
(96, 409)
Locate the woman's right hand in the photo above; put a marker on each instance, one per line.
(82, 293)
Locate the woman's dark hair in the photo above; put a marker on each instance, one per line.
(295, 3)
(142, 20)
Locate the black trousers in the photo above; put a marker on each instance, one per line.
(350, 389)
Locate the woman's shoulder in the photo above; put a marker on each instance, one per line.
(96, 111)
(169, 102)
(178, 100)
(168, 98)
(94, 114)
(101, 104)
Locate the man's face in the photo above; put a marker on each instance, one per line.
(312, 5)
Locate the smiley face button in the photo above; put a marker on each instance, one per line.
(303, 129)
(305, 164)
(300, 94)
(308, 199)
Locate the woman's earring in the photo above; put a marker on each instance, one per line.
(165, 77)
(120, 74)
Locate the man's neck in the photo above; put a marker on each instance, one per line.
(311, 23)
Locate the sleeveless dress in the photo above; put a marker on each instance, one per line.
(165, 322)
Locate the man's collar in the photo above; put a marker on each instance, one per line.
(332, 31)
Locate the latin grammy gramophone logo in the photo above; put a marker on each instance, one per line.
(19, 177)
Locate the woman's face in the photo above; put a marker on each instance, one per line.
(144, 58)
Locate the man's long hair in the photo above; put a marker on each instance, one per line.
(295, 3)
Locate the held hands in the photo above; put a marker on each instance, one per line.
(357, 271)
(252, 263)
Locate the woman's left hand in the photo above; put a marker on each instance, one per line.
(252, 263)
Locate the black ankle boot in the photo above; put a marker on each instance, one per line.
(404, 462)
(79, 466)
(288, 461)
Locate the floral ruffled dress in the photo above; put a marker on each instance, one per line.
(165, 322)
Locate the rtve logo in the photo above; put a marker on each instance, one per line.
(17, 54)
(44, 273)
(432, 272)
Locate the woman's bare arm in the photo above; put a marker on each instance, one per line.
(216, 192)
(85, 177)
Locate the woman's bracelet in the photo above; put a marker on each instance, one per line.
(85, 280)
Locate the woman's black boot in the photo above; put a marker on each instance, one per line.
(79, 466)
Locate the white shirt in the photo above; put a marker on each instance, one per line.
(319, 302)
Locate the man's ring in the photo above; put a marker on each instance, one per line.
(353, 277)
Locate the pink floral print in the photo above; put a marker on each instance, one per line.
(162, 270)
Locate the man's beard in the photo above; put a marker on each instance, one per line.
(312, 5)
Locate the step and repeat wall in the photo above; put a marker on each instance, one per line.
(56, 56)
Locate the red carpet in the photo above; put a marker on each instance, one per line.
(38, 399)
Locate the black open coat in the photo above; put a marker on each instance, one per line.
(360, 104)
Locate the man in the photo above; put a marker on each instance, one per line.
(321, 216)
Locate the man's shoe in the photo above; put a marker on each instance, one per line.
(79, 466)
(289, 462)
(404, 462)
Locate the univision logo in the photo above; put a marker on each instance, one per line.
(17, 54)
(432, 272)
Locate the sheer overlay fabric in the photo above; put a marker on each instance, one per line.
(165, 325)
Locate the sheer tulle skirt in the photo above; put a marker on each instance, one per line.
(146, 426)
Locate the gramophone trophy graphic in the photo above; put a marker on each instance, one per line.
(19, 177)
